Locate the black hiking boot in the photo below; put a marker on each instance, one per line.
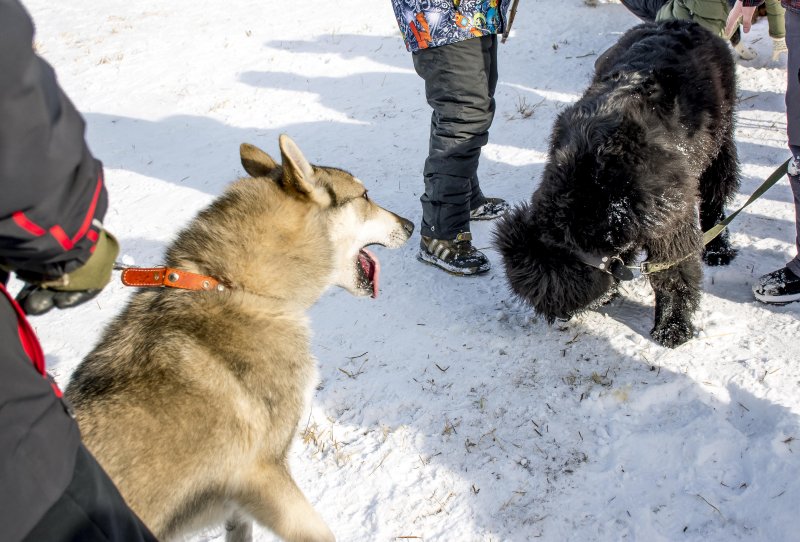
(779, 287)
(490, 209)
(456, 256)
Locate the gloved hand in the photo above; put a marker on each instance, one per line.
(778, 47)
(72, 288)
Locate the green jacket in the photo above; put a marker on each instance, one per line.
(710, 14)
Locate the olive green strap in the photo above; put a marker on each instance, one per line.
(96, 272)
(708, 236)
(648, 268)
(766, 185)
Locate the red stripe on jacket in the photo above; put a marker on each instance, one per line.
(27, 338)
(87, 220)
(57, 231)
(26, 224)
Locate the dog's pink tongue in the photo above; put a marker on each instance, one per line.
(372, 268)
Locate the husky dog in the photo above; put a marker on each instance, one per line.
(191, 399)
(649, 144)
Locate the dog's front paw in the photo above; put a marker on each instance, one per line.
(672, 334)
(720, 255)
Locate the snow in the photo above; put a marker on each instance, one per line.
(446, 410)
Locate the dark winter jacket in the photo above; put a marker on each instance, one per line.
(51, 200)
(431, 23)
(791, 5)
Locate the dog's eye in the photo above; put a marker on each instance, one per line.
(365, 195)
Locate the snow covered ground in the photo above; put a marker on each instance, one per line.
(446, 410)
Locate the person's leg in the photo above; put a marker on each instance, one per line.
(457, 86)
(489, 53)
(783, 285)
(794, 181)
(90, 510)
(793, 119)
(776, 19)
(644, 9)
(481, 207)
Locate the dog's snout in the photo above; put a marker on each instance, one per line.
(408, 226)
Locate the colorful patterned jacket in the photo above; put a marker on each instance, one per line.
(431, 23)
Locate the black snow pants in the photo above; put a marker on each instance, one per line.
(460, 80)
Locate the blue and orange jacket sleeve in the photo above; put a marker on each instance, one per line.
(52, 196)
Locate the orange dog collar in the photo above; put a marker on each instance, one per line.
(169, 277)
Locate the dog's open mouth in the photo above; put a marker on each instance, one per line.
(369, 269)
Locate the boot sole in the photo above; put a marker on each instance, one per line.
(424, 257)
(777, 299)
(485, 217)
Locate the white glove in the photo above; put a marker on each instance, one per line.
(778, 47)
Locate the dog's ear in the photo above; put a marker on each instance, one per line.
(659, 85)
(298, 176)
(668, 83)
(256, 162)
(641, 83)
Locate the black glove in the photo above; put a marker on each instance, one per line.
(35, 299)
(73, 288)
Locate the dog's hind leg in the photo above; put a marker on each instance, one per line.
(718, 184)
(238, 528)
(273, 499)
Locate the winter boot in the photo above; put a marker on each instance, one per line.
(456, 256)
(779, 287)
(490, 209)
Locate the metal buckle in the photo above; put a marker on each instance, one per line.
(613, 265)
(619, 270)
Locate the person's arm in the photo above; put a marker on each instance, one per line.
(52, 196)
(742, 9)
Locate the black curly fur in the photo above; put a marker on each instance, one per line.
(629, 164)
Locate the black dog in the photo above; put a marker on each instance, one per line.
(648, 145)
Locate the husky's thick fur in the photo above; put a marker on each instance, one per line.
(648, 144)
(191, 399)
